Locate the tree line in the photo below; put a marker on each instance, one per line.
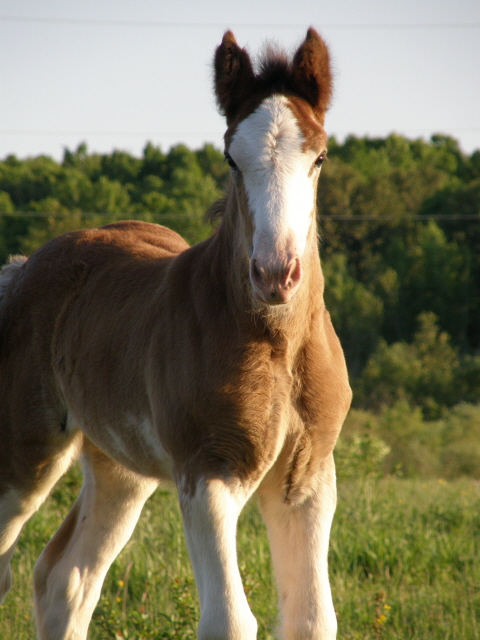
(399, 224)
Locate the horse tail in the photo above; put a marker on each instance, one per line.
(8, 273)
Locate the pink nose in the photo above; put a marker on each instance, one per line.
(275, 281)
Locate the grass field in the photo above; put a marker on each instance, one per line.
(404, 564)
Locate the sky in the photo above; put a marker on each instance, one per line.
(118, 73)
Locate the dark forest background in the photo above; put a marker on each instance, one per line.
(400, 244)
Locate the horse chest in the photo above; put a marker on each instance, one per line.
(233, 419)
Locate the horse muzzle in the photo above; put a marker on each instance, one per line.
(275, 280)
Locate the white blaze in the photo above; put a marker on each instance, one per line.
(268, 148)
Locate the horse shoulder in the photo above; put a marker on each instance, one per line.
(323, 393)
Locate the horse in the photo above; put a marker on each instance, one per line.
(215, 366)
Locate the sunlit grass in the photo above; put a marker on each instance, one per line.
(407, 552)
(403, 565)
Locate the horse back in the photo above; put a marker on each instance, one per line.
(79, 291)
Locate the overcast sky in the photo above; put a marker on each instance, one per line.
(117, 73)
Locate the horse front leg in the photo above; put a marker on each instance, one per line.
(210, 512)
(299, 536)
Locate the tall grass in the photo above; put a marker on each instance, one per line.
(404, 564)
(405, 560)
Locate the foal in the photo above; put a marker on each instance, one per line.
(215, 365)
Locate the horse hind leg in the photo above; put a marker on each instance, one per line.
(12, 519)
(18, 504)
(70, 572)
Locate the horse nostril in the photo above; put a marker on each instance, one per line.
(256, 272)
(294, 273)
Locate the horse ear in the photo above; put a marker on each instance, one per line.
(234, 76)
(311, 72)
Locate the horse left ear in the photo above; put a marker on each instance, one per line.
(311, 72)
(234, 76)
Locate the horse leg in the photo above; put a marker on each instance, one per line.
(17, 505)
(70, 572)
(299, 535)
(210, 513)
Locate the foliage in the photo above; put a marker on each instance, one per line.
(357, 313)
(362, 455)
(460, 429)
(422, 371)
(40, 198)
(383, 189)
(399, 441)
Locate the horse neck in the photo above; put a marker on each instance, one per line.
(231, 259)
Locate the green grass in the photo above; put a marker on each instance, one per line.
(404, 564)
(405, 560)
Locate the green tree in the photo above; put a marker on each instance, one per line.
(433, 275)
(212, 163)
(356, 312)
(424, 373)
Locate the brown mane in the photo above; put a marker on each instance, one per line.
(215, 212)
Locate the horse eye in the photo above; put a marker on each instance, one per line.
(230, 160)
(319, 160)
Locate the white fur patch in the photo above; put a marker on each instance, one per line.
(136, 444)
(210, 518)
(268, 148)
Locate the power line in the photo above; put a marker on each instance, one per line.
(322, 218)
(32, 132)
(90, 214)
(210, 25)
(29, 132)
(415, 218)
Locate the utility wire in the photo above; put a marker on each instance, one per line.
(322, 218)
(210, 25)
(31, 132)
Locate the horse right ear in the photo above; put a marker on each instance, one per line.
(234, 76)
(312, 75)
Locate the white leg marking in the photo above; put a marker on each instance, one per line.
(70, 572)
(16, 508)
(12, 519)
(210, 519)
(299, 538)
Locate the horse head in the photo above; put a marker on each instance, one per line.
(275, 145)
